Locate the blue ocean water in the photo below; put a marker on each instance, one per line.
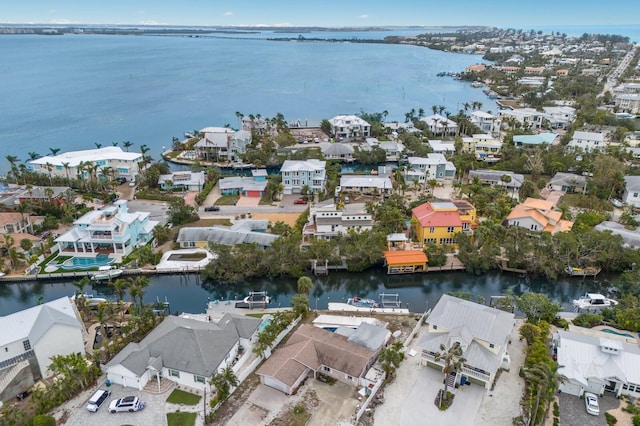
(72, 91)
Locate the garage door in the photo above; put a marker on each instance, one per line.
(570, 388)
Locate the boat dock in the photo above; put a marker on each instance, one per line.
(345, 307)
(323, 269)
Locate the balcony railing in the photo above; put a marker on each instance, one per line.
(482, 376)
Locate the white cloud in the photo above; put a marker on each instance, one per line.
(363, 16)
(228, 13)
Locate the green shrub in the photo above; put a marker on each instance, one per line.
(611, 420)
(44, 420)
(587, 320)
(636, 420)
(561, 323)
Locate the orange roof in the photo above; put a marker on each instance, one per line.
(521, 211)
(403, 257)
(536, 203)
(427, 216)
(7, 218)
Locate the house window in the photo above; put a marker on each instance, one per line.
(491, 345)
(435, 327)
(432, 230)
(199, 379)
(635, 195)
(27, 345)
(325, 368)
(174, 373)
(450, 229)
(349, 377)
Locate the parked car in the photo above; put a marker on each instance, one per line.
(128, 403)
(591, 403)
(97, 399)
(300, 201)
(121, 180)
(132, 183)
(212, 209)
(616, 202)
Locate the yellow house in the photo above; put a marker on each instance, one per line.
(439, 221)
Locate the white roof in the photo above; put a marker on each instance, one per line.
(440, 120)
(432, 158)
(32, 323)
(589, 136)
(369, 181)
(583, 358)
(347, 120)
(440, 146)
(73, 158)
(302, 165)
(481, 114)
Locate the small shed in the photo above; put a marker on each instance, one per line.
(405, 261)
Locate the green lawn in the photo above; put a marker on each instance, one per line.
(255, 315)
(181, 419)
(227, 200)
(182, 397)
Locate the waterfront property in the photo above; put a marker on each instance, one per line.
(538, 215)
(365, 184)
(327, 220)
(482, 333)
(112, 231)
(440, 126)
(405, 261)
(423, 169)
(245, 231)
(311, 351)
(253, 186)
(349, 126)
(297, 174)
(73, 164)
(337, 151)
(222, 144)
(437, 222)
(30, 338)
(598, 363)
(182, 181)
(186, 351)
(185, 260)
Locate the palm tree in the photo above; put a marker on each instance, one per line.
(33, 155)
(391, 357)
(127, 145)
(223, 381)
(453, 361)
(304, 285)
(240, 116)
(54, 151)
(12, 159)
(66, 171)
(98, 145)
(49, 167)
(49, 193)
(545, 378)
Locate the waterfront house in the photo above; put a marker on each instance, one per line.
(112, 231)
(486, 122)
(538, 216)
(182, 181)
(528, 118)
(497, 177)
(14, 222)
(434, 166)
(349, 126)
(475, 68)
(338, 151)
(631, 193)
(365, 184)
(244, 231)
(297, 174)
(73, 164)
(568, 182)
(327, 220)
(310, 351)
(253, 186)
(438, 222)
(587, 141)
(483, 335)
(440, 126)
(541, 139)
(393, 150)
(402, 258)
(186, 351)
(29, 338)
(214, 144)
(598, 362)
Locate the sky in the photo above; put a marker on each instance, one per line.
(325, 13)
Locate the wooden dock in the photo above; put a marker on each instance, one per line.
(323, 269)
(82, 274)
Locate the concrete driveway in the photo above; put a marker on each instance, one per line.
(573, 413)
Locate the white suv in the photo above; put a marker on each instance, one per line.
(128, 403)
(97, 399)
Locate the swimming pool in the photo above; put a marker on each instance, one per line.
(87, 262)
(610, 331)
(264, 324)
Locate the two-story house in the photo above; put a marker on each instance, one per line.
(631, 193)
(528, 118)
(365, 184)
(15, 223)
(349, 126)
(112, 231)
(327, 220)
(559, 117)
(538, 216)
(483, 146)
(440, 126)
(297, 174)
(72, 165)
(438, 222)
(485, 121)
(587, 141)
(188, 181)
(434, 166)
(481, 332)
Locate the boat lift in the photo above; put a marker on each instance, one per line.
(389, 300)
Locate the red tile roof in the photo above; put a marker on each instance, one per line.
(428, 217)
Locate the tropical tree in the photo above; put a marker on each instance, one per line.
(54, 151)
(300, 304)
(304, 285)
(127, 145)
(391, 357)
(453, 361)
(33, 155)
(544, 378)
(223, 381)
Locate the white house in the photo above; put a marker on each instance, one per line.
(598, 364)
(529, 118)
(629, 102)
(439, 125)
(440, 147)
(559, 117)
(434, 166)
(483, 146)
(496, 177)
(326, 220)
(32, 336)
(538, 216)
(366, 184)
(299, 173)
(186, 351)
(587, 141)
(482, 333)
(189, 181)
(485, 121)
(73, 164)
(349, 126)
(631, 193)
(338, 151)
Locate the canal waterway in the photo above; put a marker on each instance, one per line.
(187, 293)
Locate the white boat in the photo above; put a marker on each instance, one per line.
(106, 273)
(89, 299)
(593, 301)
(362, 303)
(257, 297)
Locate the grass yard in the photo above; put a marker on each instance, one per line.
(227, 200)
(255, 315)
(181, 397)
(181, 419)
